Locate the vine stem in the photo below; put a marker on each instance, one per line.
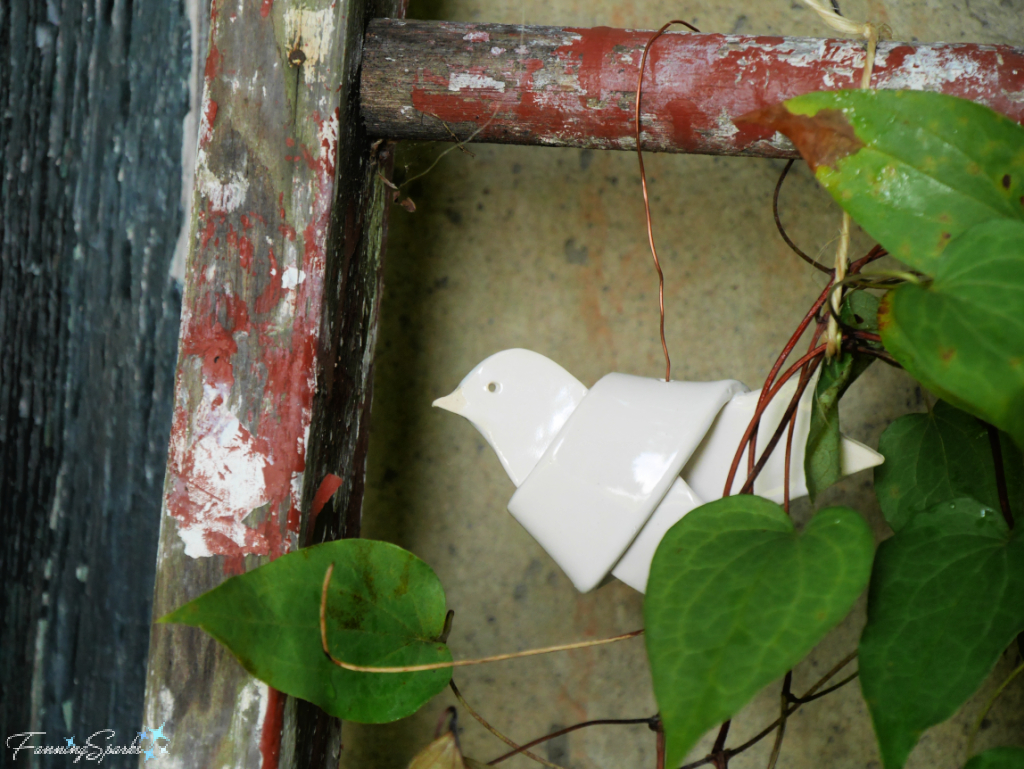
(988, 706)
(788, 416)
(762, 405)
(460, 145)
(783, 716)
(811, 694)
(452, 663)
(583, 725)
(495, 732)
(783, 356)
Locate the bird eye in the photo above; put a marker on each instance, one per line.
(493, 387)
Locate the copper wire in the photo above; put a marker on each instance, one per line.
(643, 183)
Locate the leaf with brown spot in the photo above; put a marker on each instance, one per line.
(914, 169)
(823, 139)
(962, 336)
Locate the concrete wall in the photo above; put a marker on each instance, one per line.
(546, 249)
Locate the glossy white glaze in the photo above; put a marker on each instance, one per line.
(598, 471)
(518, 400)
(610, 466)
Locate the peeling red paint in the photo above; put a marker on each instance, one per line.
(238, 451)
(270, 739)
(582, 92)
(245, 252)
(330, 484)
(236, 480)
(271, 295)
(213, 62)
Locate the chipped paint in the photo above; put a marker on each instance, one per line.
(226, 468)
(225, 195)
(928, 69)
(459, 80)
(292, 277)
(576, 87)
(246, 378)
(476, 37)
(314, 32)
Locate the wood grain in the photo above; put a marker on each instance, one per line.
(574, 87)
(273, 381)
(90, 149)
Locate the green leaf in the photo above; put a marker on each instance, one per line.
(736, 597)
(998, 758)
(385, 607)
(963, 336)
(938, 456)
(946, 598)
(914, 169)
(823, 455)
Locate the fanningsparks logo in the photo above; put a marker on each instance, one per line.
(99, 745)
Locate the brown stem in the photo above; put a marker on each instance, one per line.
(718, 753)
(790, 413)
(659, 760)
(783, 716)
(810, 695)
(495, 732)
(997, 457)
(782, 230)
(811, 314)
(573, 728)
(762, 405)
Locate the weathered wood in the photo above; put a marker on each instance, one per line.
(275, 361)
(90, 149)
(577, 87)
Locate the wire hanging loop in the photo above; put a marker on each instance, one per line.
(643, 183)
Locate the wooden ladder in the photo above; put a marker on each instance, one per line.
(289, 219)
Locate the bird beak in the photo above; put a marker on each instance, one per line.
(455, 403)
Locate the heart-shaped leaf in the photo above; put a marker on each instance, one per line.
(963, 335)
(823, 456)
(998, 758)
(736, 597)
(914, 169)
(385, 607)
(938, 456)
(946, 598)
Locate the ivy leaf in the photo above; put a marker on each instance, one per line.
(962, 336)
(942, 455)
(385, 607)
(998, 758)
(823, 455)
(736, 597)
(946, 598)
(914, 169)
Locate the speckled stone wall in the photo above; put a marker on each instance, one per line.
(546, 249)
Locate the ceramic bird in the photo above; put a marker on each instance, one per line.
(602, 474)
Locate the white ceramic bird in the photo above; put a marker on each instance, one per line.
(601, 475)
